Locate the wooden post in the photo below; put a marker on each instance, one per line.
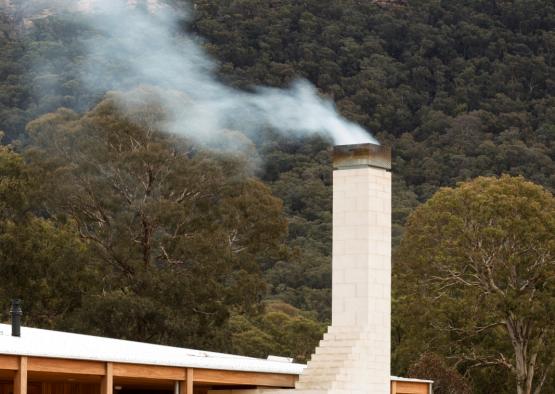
(190, 380)
(107, 384)
(20, 378)
(186, 387)
(394, 387)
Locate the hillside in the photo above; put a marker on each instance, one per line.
(458, 88)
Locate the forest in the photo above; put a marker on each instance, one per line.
(101, 212)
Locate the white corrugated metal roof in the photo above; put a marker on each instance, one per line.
(398, 379)
(57, 344)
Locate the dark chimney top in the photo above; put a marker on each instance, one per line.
(16, 318)
(361, 155)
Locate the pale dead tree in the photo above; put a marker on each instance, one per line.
(484, 254)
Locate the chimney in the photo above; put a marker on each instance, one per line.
(16, 313)
(355, 354)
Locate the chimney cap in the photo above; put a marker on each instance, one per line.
(361, 155)
(16, 317)
(16, 307)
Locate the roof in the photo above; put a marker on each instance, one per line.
(57, 344)
(398, 379)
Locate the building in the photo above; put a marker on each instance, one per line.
(51, 362)
(353, 357)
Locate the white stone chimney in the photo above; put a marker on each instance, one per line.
(355, 356)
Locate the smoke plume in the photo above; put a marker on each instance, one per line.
(146, 46)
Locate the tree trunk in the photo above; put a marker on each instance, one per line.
(525, 364)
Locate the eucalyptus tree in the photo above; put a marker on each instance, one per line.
(42, 261)
(478, 265)
(178, 232)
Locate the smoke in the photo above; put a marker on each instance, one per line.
(135, 46)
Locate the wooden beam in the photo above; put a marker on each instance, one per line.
(57, 365)
(190, 380)
(107, 384)
(20, 379)
(107, 371)
(48, 377)
(9, 362)
(244, 378)
(148, 371)
(186, 386)
(411, 388)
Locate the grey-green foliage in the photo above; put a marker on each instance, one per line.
(475, 272)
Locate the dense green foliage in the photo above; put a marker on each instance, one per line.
(477, 265)
(36, 73)
(181, 235)
(166, 241)
(41, 260)
(459, 89)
